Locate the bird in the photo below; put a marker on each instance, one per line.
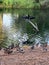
(32, 47)
(28, 17)
(7, 50)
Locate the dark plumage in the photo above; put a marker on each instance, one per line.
(7, 50)
(44, 46)
(27, 42)
(28, 17)
(32, 47)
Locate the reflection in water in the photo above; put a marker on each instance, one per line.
(15, 28)
(35, 26)
(12, 32)
(1, 35)
(7, 20)
(0, 22)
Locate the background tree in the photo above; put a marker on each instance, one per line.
(37, 1)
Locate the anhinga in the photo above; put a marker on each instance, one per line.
(28, 17)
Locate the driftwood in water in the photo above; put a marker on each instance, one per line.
(35, 26)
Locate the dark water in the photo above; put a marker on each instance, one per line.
(14, 26)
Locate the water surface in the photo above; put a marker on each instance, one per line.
(13, 26)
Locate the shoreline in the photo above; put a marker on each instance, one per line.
(12, 7)
(30, 57)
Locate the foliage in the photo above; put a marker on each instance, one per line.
(19, 3)
(25, 3)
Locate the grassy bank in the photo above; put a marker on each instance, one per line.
(36, 4)
(20, 4)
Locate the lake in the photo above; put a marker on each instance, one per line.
(14, 27)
